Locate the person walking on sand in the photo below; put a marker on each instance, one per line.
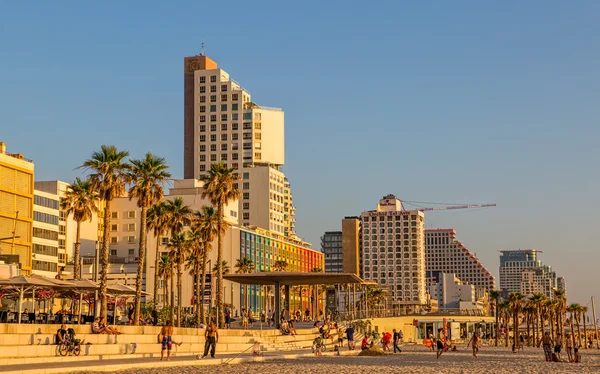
(558, 345)
(350, 337)
(166, 334)
(474, 344)
(397, 341)
(211, 338)
(547, 343)
(440, 343)
(569, 345)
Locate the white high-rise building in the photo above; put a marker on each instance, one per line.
(522, 271)
(393, 250)
(45, 233)
(445, 254)
(223, 124)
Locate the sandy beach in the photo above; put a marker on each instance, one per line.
(413, 360)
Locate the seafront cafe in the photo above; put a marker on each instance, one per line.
(456, 328)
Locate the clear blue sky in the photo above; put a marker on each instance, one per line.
(433, 101)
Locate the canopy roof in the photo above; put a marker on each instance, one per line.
(34, 280)
(293, 278)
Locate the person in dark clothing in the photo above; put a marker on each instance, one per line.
(397, 340)
(211, 336)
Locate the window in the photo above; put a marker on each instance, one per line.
(213, 98)
(223, 147)
(202, 99)
(113, 227)
(257, 136)
(131, 227)
(246, 195)
(202, 89)
(234, 107)
(213, 138)
(45, 234)
(113, 252)
(234, 116)
(223, 127)
(213, 118)
(257, 126)
(234, 97)
(224, 137)
(114, 215)
(213, 147)
(131, 214)
(202, 108)
(202, 118)
(223, 107)
(246, 176)
(202, 148)
(202, 138)
(213, 157)
(234, 136)
(223, 117)
(246, 185)
(246, 205)
(234, 147)
(164, 241)
(223, 156)
(213, 88)
(113, 240)
(213, 108)
(202, 128)
(131, 251)
(234, 156)
(202, 79)
(224, 87)
(224, 97)
(246, 215)
(235, 165)
(202, 167)
(234, 126)
(257, 155)
(131, 239)
(213, 78)
(213, 127)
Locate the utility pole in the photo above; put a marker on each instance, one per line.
(595, 322)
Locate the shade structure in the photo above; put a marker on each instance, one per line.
(24, 283)
(81, 285)
(286, 278)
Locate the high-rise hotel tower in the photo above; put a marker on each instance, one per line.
(223, 124)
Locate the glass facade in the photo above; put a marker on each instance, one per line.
(264, 251)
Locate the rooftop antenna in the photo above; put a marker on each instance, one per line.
(202, 53)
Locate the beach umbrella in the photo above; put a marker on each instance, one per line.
(81, 285)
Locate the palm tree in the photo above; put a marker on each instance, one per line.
(572, 309)
(577, 317)
(561, 307)
(219, 188)
(108, 176)
(179, 216)
(147, 176)
(156, 220)
(536, 300)
(516, 302)
(193, 263)
(80, 201)
(179, 246)
(224, 268)
(280, 265)
(504, 309)
(205, 224)
(245, 265)
(495, 296)
(164, 271)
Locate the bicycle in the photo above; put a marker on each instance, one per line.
(69, 346)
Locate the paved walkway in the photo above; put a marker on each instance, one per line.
(154, 362)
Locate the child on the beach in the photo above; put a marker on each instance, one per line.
(475, 344)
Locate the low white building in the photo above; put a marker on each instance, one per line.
(451, 293)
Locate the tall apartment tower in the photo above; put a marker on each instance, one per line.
(443, 253)
(223, 124)
(352, 246)
(331, 246)
(46, 233)
(393, 250)
(16, 209)
(522, 271)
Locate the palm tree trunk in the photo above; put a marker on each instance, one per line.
(104, 261)
(203, 283)
(220, 309)
(535, 328)
(506, 326)
(156, 278)
(541, 324)
(172, 303)
(577, 315)
(551, 324)
(517, 341)
(584, 333)
(179, 274)
(77, 263)
(166, 291)
(573, 330)
(141, 267)
(497, 316)
(200, 290)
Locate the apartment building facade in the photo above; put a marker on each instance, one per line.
(223, 124)
(522, 271)
(393, 251)
(443, 253)
(331, 246)
(46, 233)
(16, 209)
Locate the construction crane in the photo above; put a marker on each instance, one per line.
(448, 207)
